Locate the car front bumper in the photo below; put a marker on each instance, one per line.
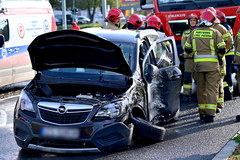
(105, 137)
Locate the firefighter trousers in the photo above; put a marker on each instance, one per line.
(207, 91)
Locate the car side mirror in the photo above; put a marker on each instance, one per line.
(2, 40)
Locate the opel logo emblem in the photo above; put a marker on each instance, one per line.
(62, 109)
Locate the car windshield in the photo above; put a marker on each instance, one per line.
(94, 74)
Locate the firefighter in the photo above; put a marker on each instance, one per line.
(188, 63)
(208, 47)
(237, 59)
(155, 23)
(229, 56)
(229, 42)
(237, 63)
(134, 22)
(113, 18)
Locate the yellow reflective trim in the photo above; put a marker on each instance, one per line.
(212, 47)
(223, 71)
(187, 86)
(188, 45)
(194, 47)
(202, 34)
(211, 108)
(202, 107)
(229, 53)
(221, 44)
(225, 36)
(205, 60)
(220, 100)
(237, 53)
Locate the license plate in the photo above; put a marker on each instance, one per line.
(60, 133)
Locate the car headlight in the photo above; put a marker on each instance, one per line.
(112, 110)
(25, 103)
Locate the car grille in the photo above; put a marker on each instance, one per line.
(70, 114)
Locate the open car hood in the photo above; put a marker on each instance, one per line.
(71, 48)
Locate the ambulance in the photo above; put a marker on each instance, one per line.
(20, 22)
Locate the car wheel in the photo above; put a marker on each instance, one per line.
(147, 130)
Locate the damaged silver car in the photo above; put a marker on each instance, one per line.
(96, 90)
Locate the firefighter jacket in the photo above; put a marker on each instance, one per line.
(183, 41)
(237, 50)
(111, 25)
(205, 42)
(226, 35)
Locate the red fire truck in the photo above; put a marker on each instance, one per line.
(174, 13)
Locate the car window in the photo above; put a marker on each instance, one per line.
(163, 54)
(128, 50)
(4, 29)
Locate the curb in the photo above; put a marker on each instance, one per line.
(226, 151)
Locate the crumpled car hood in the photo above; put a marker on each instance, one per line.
(71, 48)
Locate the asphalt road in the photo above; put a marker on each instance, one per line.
(186, 139)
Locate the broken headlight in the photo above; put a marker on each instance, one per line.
(112, 110)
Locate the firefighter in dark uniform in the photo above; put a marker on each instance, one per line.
(227, 82)
(188, 64)
(208, 47)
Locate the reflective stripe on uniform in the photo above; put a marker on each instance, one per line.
(237, 53)
(212, 47)
(225, 84)
(225, 36)
(201, 106)
(211, 106)
(187, 86)
(202, 34)
(220, 100)
(229, 53)
(221, 44)
(188, 45)
(223, 71)
(205, 58)
(194, 46)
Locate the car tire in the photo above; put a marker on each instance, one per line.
(147, 130)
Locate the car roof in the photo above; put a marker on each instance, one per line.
(121, 35)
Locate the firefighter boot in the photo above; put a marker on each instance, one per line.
(209, 119)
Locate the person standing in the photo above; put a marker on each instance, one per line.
(188, 63)
(75, 26)
(134, 22)
(113, 18)
(229, 42)
(208, 47)
(228, 83)
(237, 63)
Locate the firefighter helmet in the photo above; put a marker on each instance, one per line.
(135, 20)
(213, 10)
(221, 16)
(154, 21)
(114, 14)
(192, 16)
(208, 15)
(207, 18)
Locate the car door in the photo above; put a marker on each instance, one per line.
(163, 77)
